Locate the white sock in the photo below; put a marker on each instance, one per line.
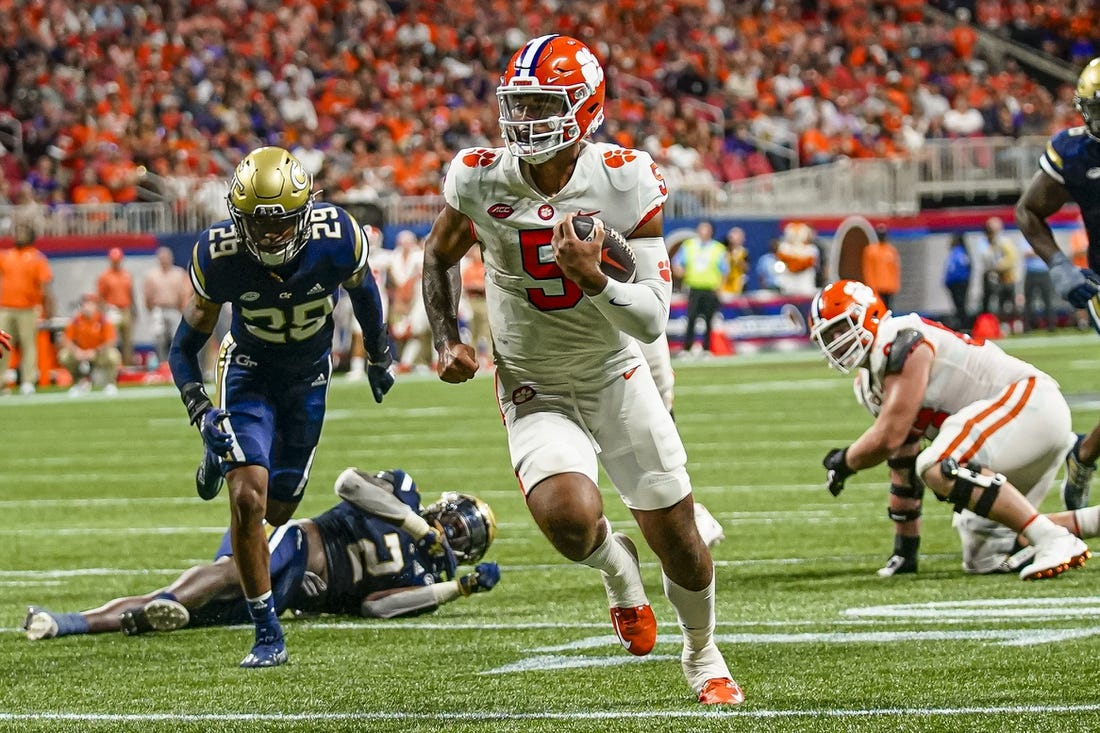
(701, 659)
(1041, 528)
(356, 364)
(621, 576)
(1088, 521)
(695, 611)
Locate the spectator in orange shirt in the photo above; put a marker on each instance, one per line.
(25, 297)
(115, 287)
(90, 190)
(89, 343)
(882, 266)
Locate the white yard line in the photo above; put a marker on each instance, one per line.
(488, 715)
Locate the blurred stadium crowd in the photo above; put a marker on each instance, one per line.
(374, 97)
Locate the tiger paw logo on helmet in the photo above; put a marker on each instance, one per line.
(859, 292)
(480, 157)
(618, 158)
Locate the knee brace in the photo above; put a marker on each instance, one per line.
(903, 515)
(915, 488)
(967, 478)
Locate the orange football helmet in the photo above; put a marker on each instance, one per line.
(550, 95)
(844, 319)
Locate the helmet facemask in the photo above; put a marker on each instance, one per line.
(538, 121)
(1089, 107)
(273, 238)
(844, 340)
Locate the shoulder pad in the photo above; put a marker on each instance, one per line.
(625, 167)
(476, 158)
(902, 346)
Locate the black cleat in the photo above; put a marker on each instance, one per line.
(208, 476)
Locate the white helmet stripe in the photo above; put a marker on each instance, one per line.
(525, 62)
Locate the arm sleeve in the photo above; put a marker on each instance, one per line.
(410, 601)
(354, 488)
(640, 308)
(183, 356)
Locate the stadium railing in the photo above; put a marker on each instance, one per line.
(966, 168)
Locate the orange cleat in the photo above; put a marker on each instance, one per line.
(721, 691)
(636, 628)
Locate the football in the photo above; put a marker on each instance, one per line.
(616, 257)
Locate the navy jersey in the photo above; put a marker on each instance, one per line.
(287, 308)
(1073, 159)
(366, 554)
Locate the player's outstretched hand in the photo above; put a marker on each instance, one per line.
(1076, 285)
(457, 363)
(219, 441)
(836, 470)
(380, 377)
(5, 341)
(485, 576)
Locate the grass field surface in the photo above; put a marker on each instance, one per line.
(97, 500)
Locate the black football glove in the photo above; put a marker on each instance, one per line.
(836, 470)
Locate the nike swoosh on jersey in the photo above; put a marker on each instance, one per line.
(630, 372)
(612, 301)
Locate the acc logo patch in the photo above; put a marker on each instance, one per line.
(526, 393)
(500, 211)
(1092, 173)
(546, 212)
(250, 296)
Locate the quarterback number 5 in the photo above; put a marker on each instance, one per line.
(538, 262)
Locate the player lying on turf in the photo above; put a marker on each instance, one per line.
(377, 554)
(987, 547)
(999, 427)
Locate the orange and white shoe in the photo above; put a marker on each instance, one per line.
(636, 628)
(1054, 557)
(721, 691)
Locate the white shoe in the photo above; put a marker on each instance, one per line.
(26, 388)
(110, 389)
(80, 388)
(356, 375)
(709, 528)
(39, 624)
(1055, 556)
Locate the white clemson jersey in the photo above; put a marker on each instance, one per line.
(544, 328)
(964, 370)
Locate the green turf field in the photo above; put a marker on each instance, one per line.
(97, 500)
